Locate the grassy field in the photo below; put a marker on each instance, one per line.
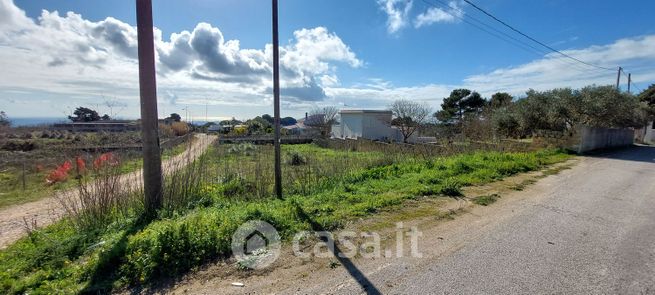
(324, 188)
(11, 176)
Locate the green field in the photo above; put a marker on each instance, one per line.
(35, 187)
(323, 188)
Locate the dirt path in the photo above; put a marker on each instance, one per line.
(585, 230)
(48, 210)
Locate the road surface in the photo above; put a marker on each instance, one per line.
(587, 230)
(49, 210)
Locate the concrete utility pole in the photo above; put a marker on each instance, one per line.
(618, 78)
(629, 81)
(152, 173)
(276, 103)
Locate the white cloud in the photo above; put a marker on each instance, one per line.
(397, 13)
(452, 14)
(70, 61)
(67, 56)
(636, 55)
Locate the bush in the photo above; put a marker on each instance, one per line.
(245, 149)
(180, 128)
(451, 187)
(296, 159)
(22, 146)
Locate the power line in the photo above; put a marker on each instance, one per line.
(445, 5)
(535, 40)
(629, 81)
(512, 40)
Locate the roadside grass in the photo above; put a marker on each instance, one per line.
(486, 200)
(132, 252)
(523, 184)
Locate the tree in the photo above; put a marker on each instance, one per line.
(562, 109)
(461, 102)
(4, 119)
(288, 121)
(269, 119)
(83, 114)
(258, 125)
(323, 118)
(175, 117)
(648, 95)
(408, 116)
(605, 106)
(500, 99)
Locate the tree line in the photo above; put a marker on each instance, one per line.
(466, 112)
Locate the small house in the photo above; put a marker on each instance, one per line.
(368, 124)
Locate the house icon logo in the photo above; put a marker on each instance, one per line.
(256, 244)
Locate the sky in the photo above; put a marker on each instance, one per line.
(214, 58)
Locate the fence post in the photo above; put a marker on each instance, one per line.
(24, 182)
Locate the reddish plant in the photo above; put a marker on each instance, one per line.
(81, 165)
(60, 174)
(105, 159)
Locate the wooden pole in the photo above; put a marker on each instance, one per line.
(152, 171)
(24, 181)
(276, 102)
(618, 79)
(629, 81)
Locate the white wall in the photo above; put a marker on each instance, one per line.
(594, 138)
(646, 134)
(377, 126)
(351, 125)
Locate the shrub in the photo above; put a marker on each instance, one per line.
(166, 130)
(451, 187)
(296, 159)
(180, 128)
(60, 174)
(245, 149)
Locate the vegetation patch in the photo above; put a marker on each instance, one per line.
(324, 193)
(486, 200)
(521, 186)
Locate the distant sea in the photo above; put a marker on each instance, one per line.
(34, 121)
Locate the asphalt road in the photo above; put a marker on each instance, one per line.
(594, 233)
(588, 230)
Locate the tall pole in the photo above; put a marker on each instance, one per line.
(629, 81)
(618, 78)
(152, 172)
(276, 103)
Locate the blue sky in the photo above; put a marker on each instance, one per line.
(372, 58)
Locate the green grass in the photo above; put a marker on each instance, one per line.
(521, 186)
(12, 192)
(130, 252)
(486, 200)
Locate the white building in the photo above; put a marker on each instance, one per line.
(646, 134)
(368, 124)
